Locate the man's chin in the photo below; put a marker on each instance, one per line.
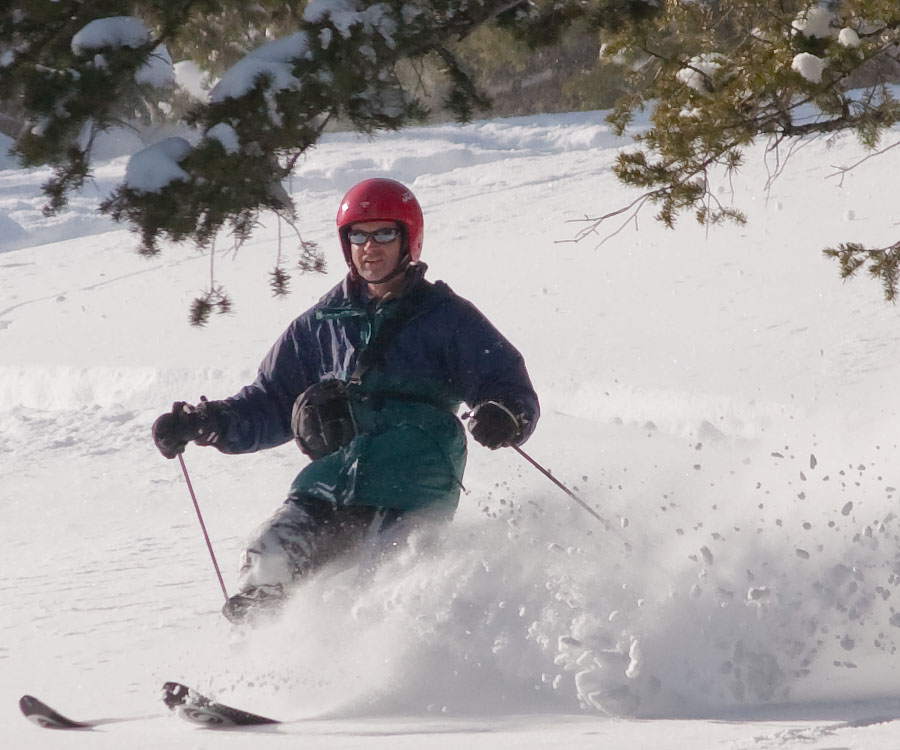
(373, 273)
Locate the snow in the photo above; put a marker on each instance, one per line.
(158, 71)
(700, 72)
(815, 22)
(10, 229)
(809, 66)
(226, 135)
(848, 37)
(345, 14)
(273, 60)
(118, 31)
(723, 400)
(342, 13)
(193, 80)
(154, 167)
(125, 31)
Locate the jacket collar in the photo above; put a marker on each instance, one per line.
(355, 293)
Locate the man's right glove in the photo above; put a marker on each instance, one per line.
(493, 425)
(203, 424)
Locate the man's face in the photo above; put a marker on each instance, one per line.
(374, 260)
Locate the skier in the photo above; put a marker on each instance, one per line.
(368, 382)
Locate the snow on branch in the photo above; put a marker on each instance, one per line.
(273, 103)
(121, 31)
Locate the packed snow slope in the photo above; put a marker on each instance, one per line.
(722, 399)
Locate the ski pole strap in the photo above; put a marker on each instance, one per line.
(203, 526)
(563, 487)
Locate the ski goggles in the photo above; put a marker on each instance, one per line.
(379, 236)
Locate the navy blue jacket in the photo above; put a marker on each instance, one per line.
(446, 353)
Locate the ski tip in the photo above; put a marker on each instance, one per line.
(175, 694)
(41, 714)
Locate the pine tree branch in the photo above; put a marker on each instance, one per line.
(633, 210)
(843, 171)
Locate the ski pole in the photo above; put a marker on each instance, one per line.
(203, 526)
(563, 487)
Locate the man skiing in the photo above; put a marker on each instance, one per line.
(368, 382)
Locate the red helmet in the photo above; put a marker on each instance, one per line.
(380, 199)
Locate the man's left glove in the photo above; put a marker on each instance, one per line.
(493, 425)
(203, 424)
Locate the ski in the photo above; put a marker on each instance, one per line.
(185, 702)
(198, 709)
(44, 716)
(38, 712)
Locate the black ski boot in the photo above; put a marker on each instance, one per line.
(255, 600)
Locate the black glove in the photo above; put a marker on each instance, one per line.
(203, 424)
(493, 425)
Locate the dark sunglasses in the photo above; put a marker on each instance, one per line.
(380, 236)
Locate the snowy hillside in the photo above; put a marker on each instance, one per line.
(722, 399)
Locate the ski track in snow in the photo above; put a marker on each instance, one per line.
(723, 404)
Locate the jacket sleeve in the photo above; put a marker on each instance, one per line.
(487, 367)
(259, 415)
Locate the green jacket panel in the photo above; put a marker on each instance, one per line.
(412, 456)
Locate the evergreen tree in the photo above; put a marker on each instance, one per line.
(717, 74)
